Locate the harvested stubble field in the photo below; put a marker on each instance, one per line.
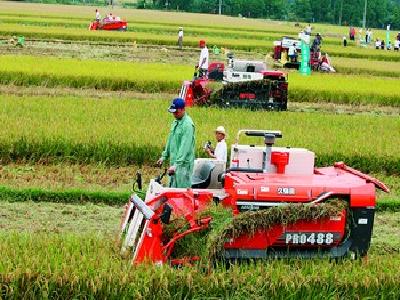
(68, 162)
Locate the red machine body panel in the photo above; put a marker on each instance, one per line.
(291, 188)
(109, 25)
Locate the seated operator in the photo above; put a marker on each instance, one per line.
(220, 151)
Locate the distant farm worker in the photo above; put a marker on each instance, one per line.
(308, 29)
(396, 45)
(180, 37)
(180, 147)
(344, 41)
(203, 60)
(326, 64)
(352, 33)
(319, 39)
(292, 53)
(377, 44)
(220, 151)
(368, 36)
(98, 16)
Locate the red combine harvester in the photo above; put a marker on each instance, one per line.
(107, 24)
(260, 178)
(246, 84)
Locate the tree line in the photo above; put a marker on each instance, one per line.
(379, 12)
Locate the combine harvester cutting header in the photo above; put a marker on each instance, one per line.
(277, 205)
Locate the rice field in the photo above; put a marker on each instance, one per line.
(161, 77)
(74, 254)
(118, 132)
(70, 12)
(82, 111)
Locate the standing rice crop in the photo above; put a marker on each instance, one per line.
(134, 132)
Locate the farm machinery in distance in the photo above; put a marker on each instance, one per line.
(260, 180)
(109, 24)
(318, 61)
(240, 83)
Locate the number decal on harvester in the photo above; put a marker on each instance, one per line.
(319, 238)
(286, 191)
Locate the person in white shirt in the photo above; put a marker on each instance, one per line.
(203, 60)
(98, 16)
(220, 151)
(292, 53)
(396, 45)
(308, 29)
(377, 44)
(180, 37)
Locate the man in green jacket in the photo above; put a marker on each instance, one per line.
(180, 147)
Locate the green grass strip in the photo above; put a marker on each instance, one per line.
(109, 198)
(66, 197)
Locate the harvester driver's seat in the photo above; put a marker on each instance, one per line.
(202, 175)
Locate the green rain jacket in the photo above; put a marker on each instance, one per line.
(180, 151)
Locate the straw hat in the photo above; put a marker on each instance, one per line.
(220, 129)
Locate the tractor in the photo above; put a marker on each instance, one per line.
(277, 204)
(240, 83)
(107, 24)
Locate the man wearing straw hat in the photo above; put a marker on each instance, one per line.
(220, 151)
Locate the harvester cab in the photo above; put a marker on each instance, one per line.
(276, 203)
(242, 83)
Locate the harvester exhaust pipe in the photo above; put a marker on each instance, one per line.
(139, 180)
(269, 140)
